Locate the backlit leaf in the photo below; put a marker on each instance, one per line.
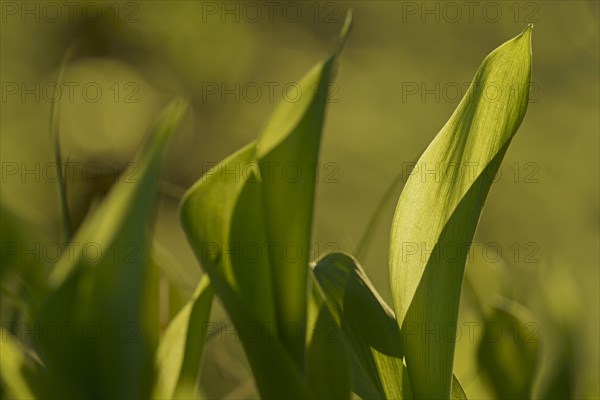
(441, 211)
(97, 291)
(241, 219)
(368, 325)
(180, 350)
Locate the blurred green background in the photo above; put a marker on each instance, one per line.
(401, 76)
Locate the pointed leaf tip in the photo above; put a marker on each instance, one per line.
(348, 22)
(525, 36)
(434, 214)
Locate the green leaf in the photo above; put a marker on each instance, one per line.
(508, 359)
(242, 219)
(369, 328)
(17, 371)
(55, 139)
(179, 353)
(438, 215)
(98, 287)
(457, 391)
(217, 214)
(328, 370)
(368, 325)
(292, 139)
